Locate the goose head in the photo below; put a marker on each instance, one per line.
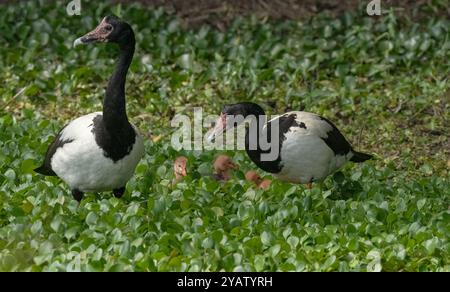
(233, 115)
(111, 29)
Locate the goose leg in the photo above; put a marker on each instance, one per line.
(118, 193)
(77, 195)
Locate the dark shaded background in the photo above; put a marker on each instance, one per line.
(220, 13)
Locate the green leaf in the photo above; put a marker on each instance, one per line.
(91, 218)
(56, 223)
(27, 166)
(10, 174)
(293, 241)
(274, 250)
(431, 245)
(259, 263)
(266, 238)
(36, 228)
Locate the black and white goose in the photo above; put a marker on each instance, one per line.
(99, 151)
(309, 147)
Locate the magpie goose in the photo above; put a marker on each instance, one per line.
(99, 151)
(309, 147)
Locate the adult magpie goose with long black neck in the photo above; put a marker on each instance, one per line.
(99, 151)
(308, 147)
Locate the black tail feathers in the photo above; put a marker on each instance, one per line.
(360, 157)
(45, 171)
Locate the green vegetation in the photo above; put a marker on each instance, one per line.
(384, 82)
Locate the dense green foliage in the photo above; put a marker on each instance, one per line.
(383, 81)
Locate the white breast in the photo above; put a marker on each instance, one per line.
(82, 164)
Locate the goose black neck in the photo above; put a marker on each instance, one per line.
(255, 154)
(114, 108)
(252, 109)
(246, 109)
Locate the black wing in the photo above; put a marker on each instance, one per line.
(46, 168)
(335, 140)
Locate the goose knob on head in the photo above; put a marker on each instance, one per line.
(99, 151)
(307, 146)
(222, 167)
